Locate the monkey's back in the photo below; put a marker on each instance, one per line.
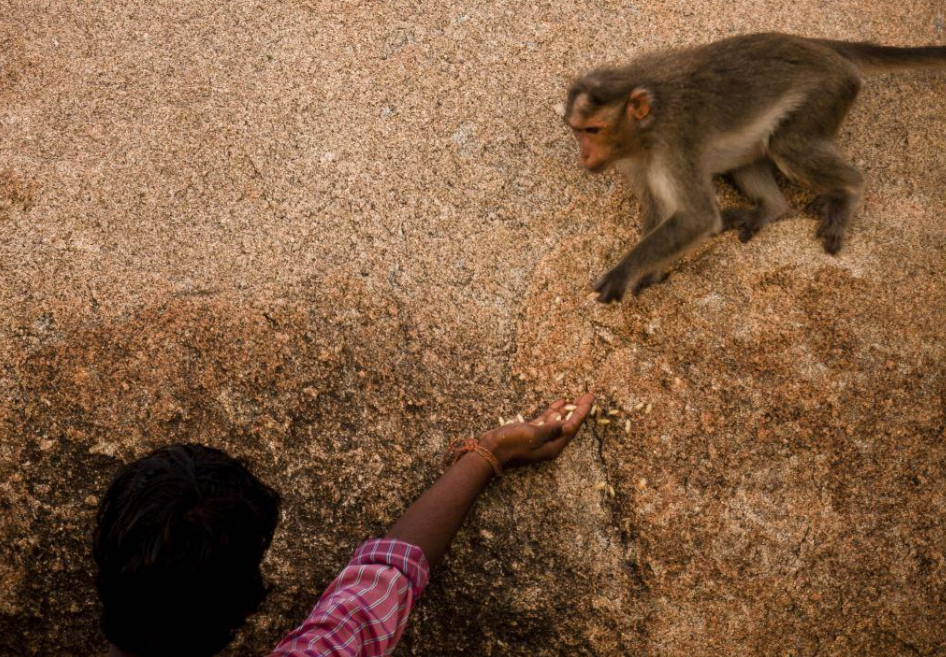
(723, 84)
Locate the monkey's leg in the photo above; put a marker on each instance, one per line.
(757, 182)
(650, 219)
(804, 149)
(821, 166)
(665, 243)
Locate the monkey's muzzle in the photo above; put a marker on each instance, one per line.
(601, 167)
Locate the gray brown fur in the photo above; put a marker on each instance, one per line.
(742, 106)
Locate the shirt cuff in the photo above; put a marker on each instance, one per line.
(405, 557)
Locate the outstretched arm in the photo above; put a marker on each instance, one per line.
(364, 611)
(434, 519)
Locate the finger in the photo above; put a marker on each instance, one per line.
(582, 408)
(555, 408)
(546, 416)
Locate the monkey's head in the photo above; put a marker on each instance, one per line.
(609, 116)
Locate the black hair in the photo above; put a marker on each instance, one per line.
(178, 545)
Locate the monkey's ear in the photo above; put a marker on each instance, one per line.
(638, 103)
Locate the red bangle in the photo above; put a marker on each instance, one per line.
(463, 446)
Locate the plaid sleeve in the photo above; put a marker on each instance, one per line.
(364, 611)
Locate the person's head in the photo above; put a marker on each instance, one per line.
(178, 545)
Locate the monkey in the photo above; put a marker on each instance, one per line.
(745, 106)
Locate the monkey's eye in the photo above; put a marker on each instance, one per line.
(592, 131)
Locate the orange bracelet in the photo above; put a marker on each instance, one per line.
(462, 446)
(490, 457)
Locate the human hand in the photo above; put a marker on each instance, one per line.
(540, 439)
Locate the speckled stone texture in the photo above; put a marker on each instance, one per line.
(331, 236)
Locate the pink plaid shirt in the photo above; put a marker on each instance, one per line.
(364, 611)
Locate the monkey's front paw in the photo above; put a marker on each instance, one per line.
(646, 282)
(612, 286)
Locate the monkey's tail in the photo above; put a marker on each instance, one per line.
(874, 58)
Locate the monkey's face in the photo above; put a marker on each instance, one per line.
(595, 151)
(604, 134)
(595, 132)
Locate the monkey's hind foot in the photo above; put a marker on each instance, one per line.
(834, 211)
(748, 221)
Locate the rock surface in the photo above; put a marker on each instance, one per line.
(331, 236)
